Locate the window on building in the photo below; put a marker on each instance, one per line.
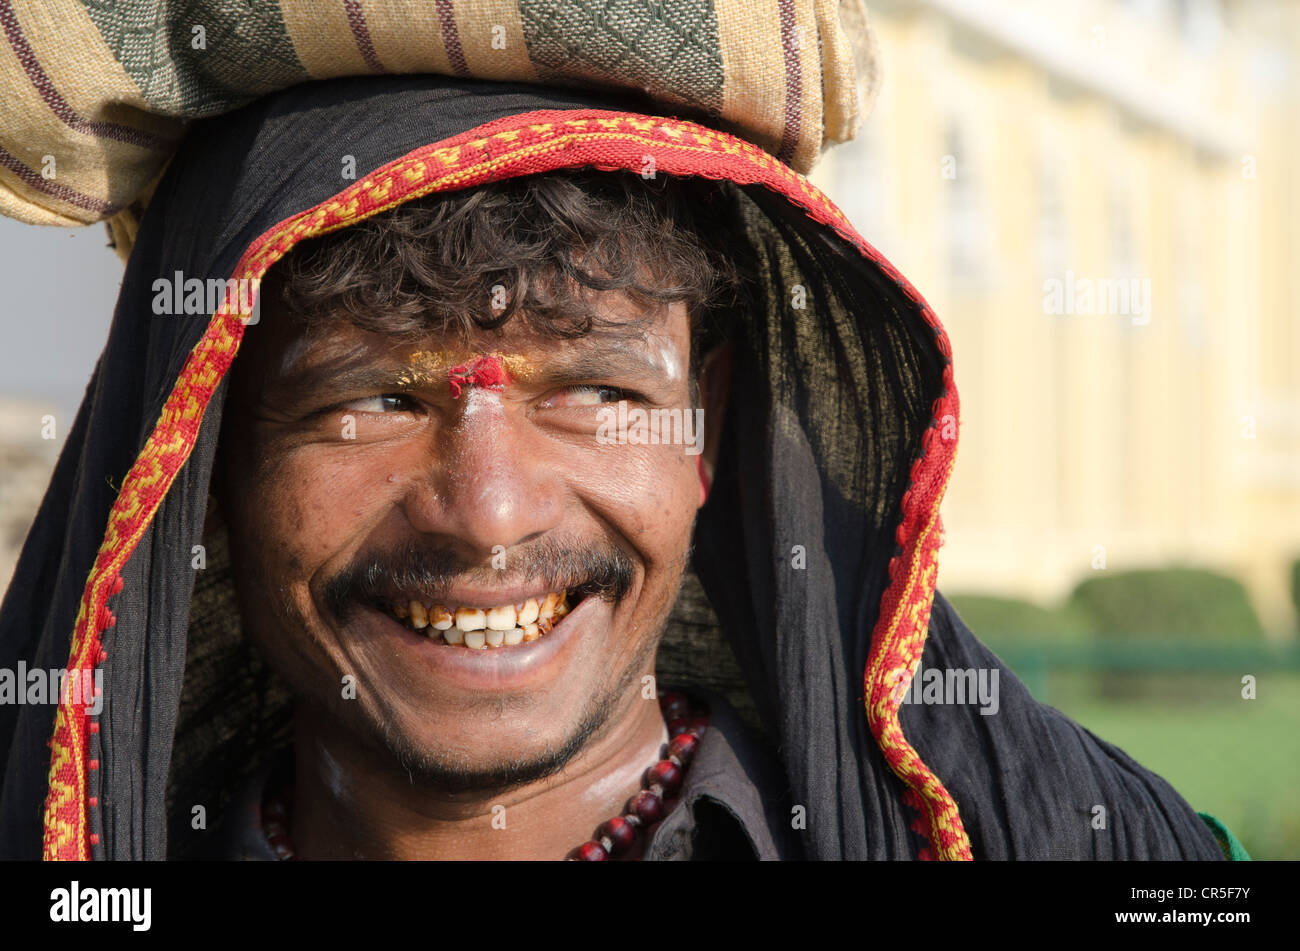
(967, 222)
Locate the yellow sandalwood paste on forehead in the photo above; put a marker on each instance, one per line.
(459, 369)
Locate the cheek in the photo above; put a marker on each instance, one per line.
(652, 493)
(304, 507)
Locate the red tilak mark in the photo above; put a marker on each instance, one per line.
(484, 371)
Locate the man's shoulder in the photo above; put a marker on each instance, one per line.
(1029, 781)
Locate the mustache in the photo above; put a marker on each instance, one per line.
(603, 570)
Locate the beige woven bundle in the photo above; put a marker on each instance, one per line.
(96, 93)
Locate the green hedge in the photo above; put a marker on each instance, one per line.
(1167, 603)
(1295, 588)
(1011, 620)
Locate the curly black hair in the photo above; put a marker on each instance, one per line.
(541, 246)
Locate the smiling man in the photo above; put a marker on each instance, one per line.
(366, 576)
(420, 504)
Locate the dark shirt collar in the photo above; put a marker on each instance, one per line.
(734, 802)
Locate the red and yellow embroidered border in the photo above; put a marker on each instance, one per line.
(517, 145)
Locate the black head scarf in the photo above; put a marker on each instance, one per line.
(816, 552)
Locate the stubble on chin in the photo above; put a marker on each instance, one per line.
(428, 769)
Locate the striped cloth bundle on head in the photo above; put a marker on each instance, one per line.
(97, 93)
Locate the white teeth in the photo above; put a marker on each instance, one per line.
(501, 619)
(471, 619)
(528, 612)
(480, 628)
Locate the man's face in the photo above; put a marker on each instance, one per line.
(353, 482)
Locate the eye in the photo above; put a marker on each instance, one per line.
(587, 394)
(385, 403)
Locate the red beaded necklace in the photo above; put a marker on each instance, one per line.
(615, 836)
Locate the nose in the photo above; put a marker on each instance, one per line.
(488, 490)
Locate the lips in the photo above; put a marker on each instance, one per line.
(479, 628)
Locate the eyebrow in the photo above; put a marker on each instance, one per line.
(590, 366)
(358, 370)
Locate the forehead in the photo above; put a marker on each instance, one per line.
(284, 343)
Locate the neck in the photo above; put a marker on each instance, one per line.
(353, 801)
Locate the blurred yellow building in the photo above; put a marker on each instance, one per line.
(1099, 200)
